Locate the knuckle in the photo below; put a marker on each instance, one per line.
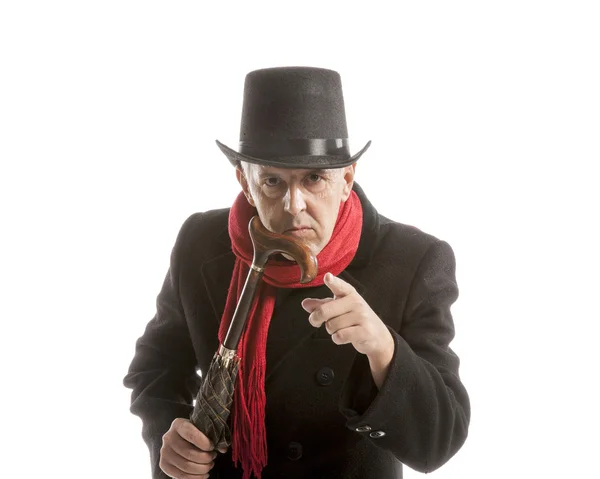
(319, 316)
(165, 452)
(325, 308)
(178, 422)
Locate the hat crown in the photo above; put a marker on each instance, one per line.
(293, 103)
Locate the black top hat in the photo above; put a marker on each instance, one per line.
(293, 117)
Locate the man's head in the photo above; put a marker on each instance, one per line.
(298, 202)
(294, 161)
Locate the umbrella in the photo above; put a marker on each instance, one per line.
(215, 397)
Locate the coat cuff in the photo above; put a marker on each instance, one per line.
(367, 409)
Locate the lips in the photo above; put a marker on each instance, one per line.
(300, 232)
(298, 228)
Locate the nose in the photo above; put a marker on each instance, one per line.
(294, 201)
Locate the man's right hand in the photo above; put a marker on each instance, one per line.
(186, 452)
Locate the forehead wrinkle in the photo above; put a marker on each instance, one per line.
(266, 172)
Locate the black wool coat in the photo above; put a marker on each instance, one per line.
(325, 417)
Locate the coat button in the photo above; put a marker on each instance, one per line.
(376, 434)
(294, 451)
(325, 376)
(363, 429)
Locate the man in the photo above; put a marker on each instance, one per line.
(350, 376)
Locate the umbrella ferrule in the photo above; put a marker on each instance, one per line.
(227, 354)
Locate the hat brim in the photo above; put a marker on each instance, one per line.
(304, 161)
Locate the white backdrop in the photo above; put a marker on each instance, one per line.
(484, 118)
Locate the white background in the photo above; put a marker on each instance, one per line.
(484, 118)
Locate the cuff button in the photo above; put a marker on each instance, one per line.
(376, 434)
(363, 429)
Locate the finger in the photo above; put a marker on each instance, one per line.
(338, 286)
(191, 453)
(330, 310)
(332, 326)
(186, 470)
(346, 335)
(310, 304)
(169, 456)
(192, 434)
(174, 472)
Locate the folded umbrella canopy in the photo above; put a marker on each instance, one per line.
(215, 397)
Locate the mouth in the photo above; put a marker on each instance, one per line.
(299, 231)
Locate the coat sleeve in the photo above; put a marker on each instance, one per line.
(421, 413)
(162, 374)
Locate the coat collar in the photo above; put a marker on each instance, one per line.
(369, 235)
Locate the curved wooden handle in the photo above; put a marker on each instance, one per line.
(267, 243)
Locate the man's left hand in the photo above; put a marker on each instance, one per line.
(349, 319)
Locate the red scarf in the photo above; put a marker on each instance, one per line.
(249, 442)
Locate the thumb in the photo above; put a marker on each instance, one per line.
(338, 286)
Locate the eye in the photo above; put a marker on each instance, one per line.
(272, 181)
(314, 178)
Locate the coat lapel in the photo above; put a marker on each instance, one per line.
(216, 274)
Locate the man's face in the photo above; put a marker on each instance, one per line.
(297, 202)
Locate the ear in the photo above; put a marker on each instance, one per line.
(239, 174)
(348, 178)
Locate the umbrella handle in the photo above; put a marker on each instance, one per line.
(265, 244)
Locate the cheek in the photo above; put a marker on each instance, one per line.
(269, 211)
(326, 210)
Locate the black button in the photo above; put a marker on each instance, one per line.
(294, 451)
(325, 376)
